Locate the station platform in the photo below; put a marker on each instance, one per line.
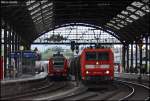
(22, 84)
(132, 76)
(24, 77)
(27, 77)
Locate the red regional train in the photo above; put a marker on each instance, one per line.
(58, 66)
(97, 64)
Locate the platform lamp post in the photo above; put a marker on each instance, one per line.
(140, 48)
(73, 50)
(21, 49)
(77, 68)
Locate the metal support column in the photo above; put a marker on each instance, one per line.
(20, 65)
(140, 51)
(127, 55)
(140, 60)
(16, 49)
(146, 54)
(16, 42)
(136, 53)
(148, 57)
(9, 47)
(1, 59)
(131, 67)
(5, 50)
(123, 57)
(1, 41)
(13, 41)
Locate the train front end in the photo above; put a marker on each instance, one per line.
(97, 64)
(58, 67)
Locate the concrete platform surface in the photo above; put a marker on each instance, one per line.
(145, 77)
(24, 77)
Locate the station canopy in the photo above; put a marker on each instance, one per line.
(128, 20)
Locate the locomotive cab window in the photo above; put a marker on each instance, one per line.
(58, 62)
(91, 56)
(103, 56)
(97, 56)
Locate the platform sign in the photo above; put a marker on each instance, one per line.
(15, 54)
(28, 54)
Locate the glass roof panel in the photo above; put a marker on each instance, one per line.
(48, 21)
(131, 9)
(37, 22)
(109, 24)
(47, 5)
(35, 11)
(112, 21)
(40, 17)
(134, 17)
(123, 22)
(9, 2)
(146, 8)
(36, 15)
(120, 25)
(117, 19)
(47, 17)
(140, 13)
(30, 2)
(120, 16)
(48, 13)
(146, 1)
(45, 10)
(34, 6)
(43, 1)
(128, 20)
(137, 4)
(125, 12)
(44, 6)
(116, 27)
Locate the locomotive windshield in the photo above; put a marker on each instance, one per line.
(103, 56)
(97, 56)
(58, 62)
(91, 56)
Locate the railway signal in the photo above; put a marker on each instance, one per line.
(72, 45)
(77, 49)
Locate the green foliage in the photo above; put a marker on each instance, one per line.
(49, 52)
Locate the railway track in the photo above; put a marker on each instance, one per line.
(142, 82)
(43, 85)
(54, 89)
(139, 92)
(38, 91)
(63, 90)
(123, 90)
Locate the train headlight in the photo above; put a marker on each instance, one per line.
(107, 72)
(89, 66)
(87, 72)
(104, 66)
(53, 61)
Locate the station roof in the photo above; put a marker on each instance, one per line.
(128, 19)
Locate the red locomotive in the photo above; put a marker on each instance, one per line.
(97, 64)
(58, 66)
